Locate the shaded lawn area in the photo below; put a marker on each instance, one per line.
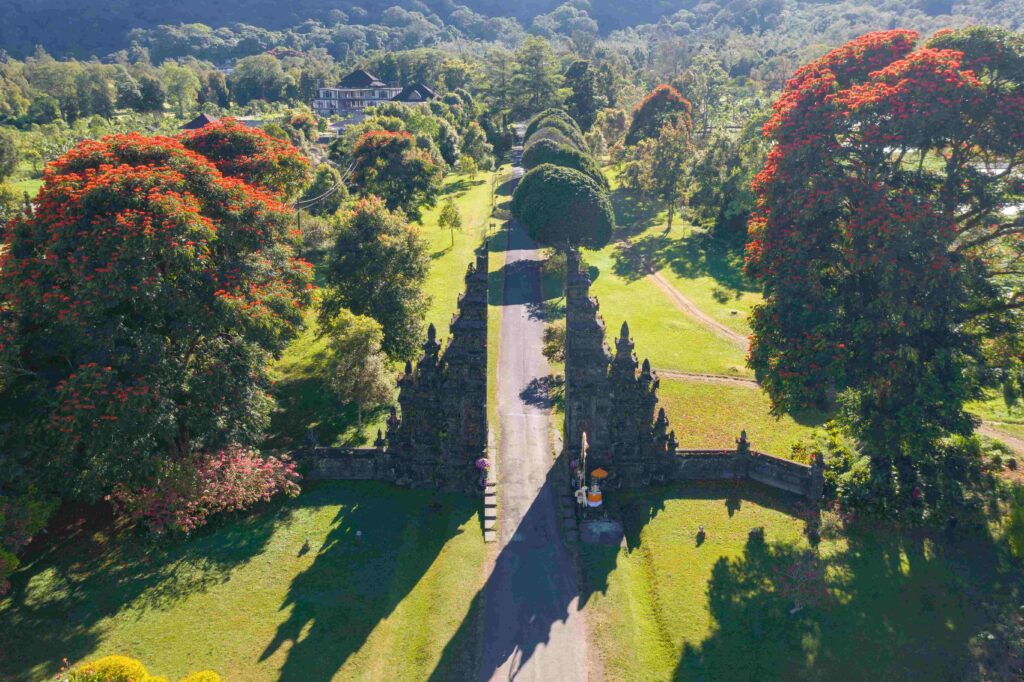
(667, 337)
(245, 600)
(305, 402)
(706, 415)
(878, 604)
(995, 409)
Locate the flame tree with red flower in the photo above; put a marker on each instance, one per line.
(889, 245)
(250, 154)
(140, 305)
(663, 106)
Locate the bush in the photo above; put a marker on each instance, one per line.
(562, 206)
(548, 151)
(662, 106)
(571, 132)
(111, 669)
(202, 676)
(552, 134)
(558, 117)
(1015, 523)
(188, 491)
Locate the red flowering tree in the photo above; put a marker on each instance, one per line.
(889, 245)
(391, 166)
(663, 106)
(252, 155)
(139, 307)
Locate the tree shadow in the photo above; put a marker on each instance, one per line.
(307, 404)
(633, 213)
(545, 392)
(94, 571)
(516, 283)
(891, 605)
(356, 582)
(461, 185)
(698, 254)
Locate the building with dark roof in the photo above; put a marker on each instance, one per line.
(200, 121)
(415, 94)
(357, 91)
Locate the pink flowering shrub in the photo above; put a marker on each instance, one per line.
(189, 491)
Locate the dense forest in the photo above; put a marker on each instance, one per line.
(217, 30)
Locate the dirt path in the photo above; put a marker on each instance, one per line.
(992, 430)
(707, 378)
(685, 305)
(533, 629)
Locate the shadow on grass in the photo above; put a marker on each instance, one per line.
(462, 185)
(892, 605)
(633, 213)
(94, 573)
(698, 254)
(353, 585)
(885, 603)
(306, 404)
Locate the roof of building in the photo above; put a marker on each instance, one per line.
(361, 79)
(418, 92)
(200, 121)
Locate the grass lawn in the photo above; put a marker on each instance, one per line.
(246, 601)
(667, 337)
(706, 415)
(879, 605)
(305, 402)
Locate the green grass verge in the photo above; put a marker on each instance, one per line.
(879, 605)
(246, 601)
(707, 415)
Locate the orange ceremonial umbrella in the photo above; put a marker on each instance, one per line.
(599, 473)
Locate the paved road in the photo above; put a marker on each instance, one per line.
(532, 627)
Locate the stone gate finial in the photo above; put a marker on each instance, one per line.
(624, 332)
(431, 332)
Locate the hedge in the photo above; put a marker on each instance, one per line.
(549, 151)
(561, 206)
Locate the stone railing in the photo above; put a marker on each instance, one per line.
(745, 464)
(345, 464)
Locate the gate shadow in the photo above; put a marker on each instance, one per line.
(355, 583)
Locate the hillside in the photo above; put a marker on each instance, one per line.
(100, 27)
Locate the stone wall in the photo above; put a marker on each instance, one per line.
(440, 427)
(345, 464)
(614, 400)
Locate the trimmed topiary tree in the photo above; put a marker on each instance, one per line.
(549, 151)
(563, 207)
(563, 124)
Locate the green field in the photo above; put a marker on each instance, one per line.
(878, 605)
(246, 600)
(706, 415)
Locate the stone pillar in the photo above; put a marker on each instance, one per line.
(586, 365)
(816, 483)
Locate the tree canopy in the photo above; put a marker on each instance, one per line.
(141, 303)
(888, 244)
(563, 207)
(663, 105)
(391, 165)
(251, 155)
(549, 151)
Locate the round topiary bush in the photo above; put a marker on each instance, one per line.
(573, 137)
(563, 207)
(111, 669)
(203, 676)
(543, 118)
(549, 151)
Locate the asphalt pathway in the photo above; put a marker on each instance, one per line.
(533, 629)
